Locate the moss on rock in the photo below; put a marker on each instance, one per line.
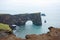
(5, 27)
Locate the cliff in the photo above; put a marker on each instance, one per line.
(53, 34)
(21, 19)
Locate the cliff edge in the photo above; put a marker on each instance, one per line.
(53, 34)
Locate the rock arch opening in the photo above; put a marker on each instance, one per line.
(20, 19)
(29, 22)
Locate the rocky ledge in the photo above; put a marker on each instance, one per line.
(53, 34)
(8, 35)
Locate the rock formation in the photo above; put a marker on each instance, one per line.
(53, 34)
(20, 19)
(43, 14)
(8, 35)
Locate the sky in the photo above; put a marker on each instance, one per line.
(26, 6)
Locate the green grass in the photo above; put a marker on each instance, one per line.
(5, 27)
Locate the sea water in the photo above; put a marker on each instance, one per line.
(29, 28)
(52, 19)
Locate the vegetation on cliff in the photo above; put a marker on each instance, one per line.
(5, 27)
(8, 35)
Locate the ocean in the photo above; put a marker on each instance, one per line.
(29, 28)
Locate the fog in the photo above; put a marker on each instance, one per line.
(28, 6)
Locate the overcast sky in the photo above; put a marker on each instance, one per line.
(24, 6)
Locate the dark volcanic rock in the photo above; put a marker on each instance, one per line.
(20, 19)
(13, 27)
(43, 15)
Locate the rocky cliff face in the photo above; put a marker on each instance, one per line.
(20, 19)
(53, 34)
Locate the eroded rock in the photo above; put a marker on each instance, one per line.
(21, 19)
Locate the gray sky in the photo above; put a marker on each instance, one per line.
(25, 6)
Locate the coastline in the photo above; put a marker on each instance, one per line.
(53, 34)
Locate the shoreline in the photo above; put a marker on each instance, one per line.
(53, 34)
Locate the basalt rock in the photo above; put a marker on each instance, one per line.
(20, 19)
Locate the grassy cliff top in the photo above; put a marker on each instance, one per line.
(5, 27)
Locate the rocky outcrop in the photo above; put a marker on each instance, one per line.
(20, 19)
(8, 35)
(43, 14)
(53, 34)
